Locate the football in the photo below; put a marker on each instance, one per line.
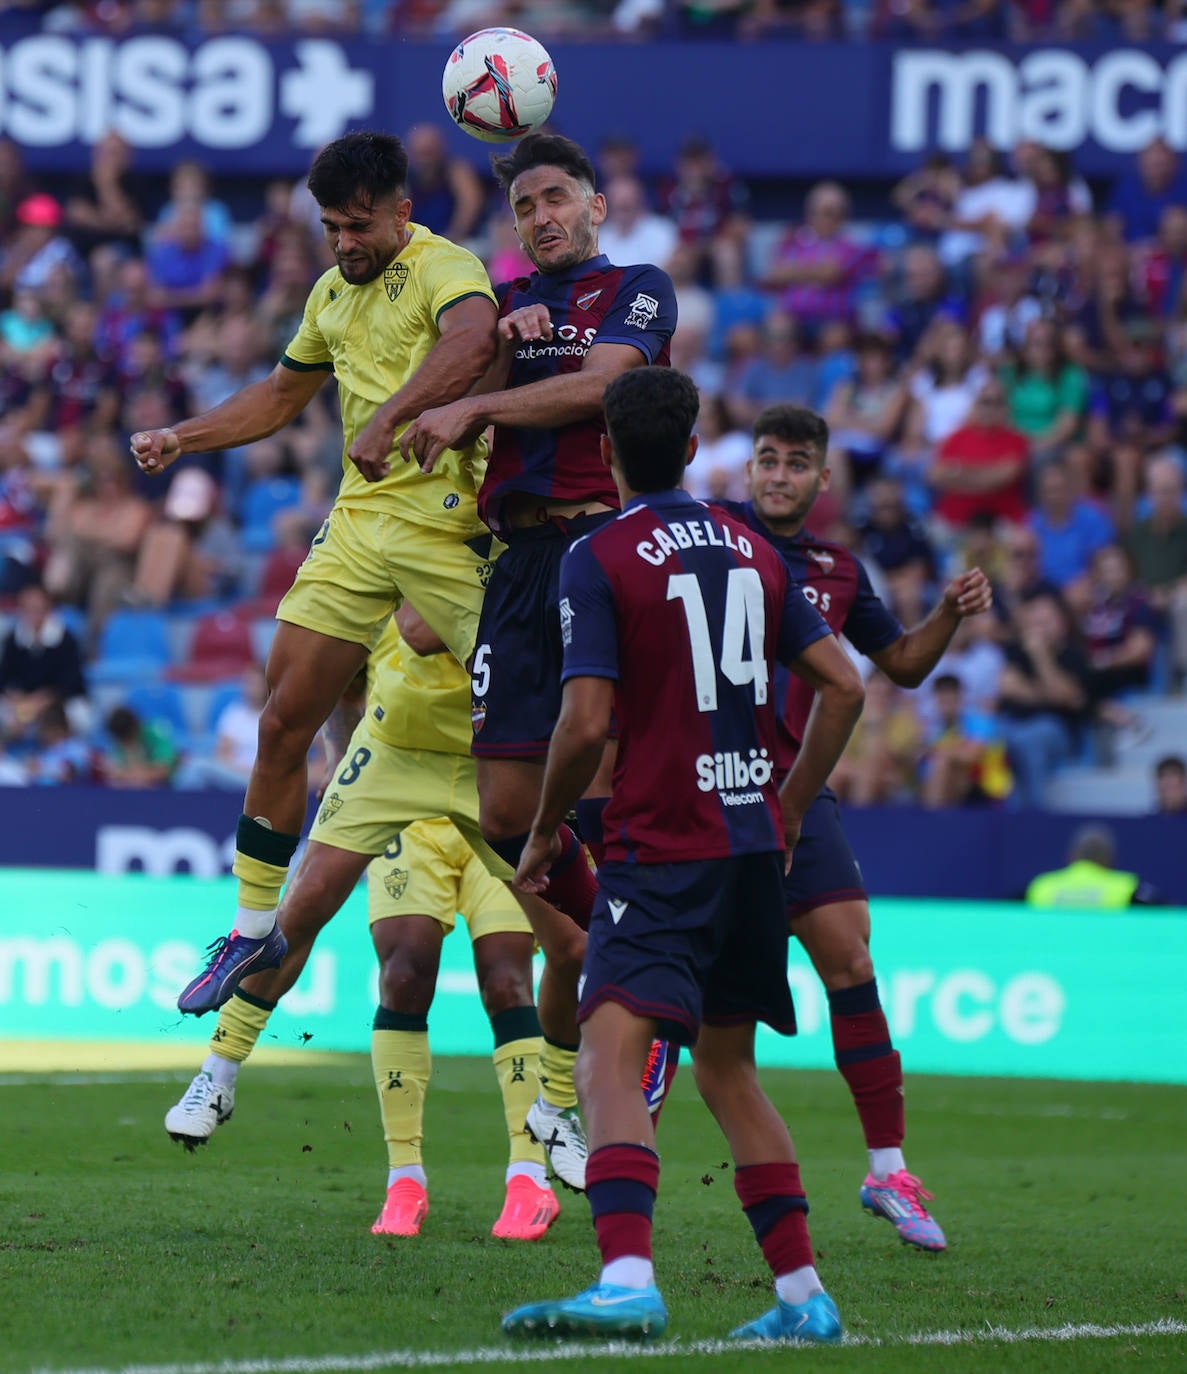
(499, 84)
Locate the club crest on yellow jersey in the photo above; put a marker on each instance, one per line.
(395, 278)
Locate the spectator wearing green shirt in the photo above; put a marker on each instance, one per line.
(1157, 543)
(138, 753)
(1048, 395)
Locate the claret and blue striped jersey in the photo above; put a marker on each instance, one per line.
(591, 303)
(687, 612)
(837, 584)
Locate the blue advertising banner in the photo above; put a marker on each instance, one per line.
(982, 855)
(969, 988)
(776, 109)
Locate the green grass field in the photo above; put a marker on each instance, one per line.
(1063, 1204)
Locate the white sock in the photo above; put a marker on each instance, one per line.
(798, 1286)
(254, 924)
(526, 1169)
(629, 1271)
(222, 1071)
(415, 1171)
(888, 1160)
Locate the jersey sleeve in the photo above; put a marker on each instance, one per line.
(307, 350)
(589, 623)
(870, 626)
(642, 314)
(800, 623)
(450, 275)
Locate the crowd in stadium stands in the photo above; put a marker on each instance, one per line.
(894, 20)
(1002, 359)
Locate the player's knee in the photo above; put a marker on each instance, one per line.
(285, 731)
(850, 968)
(504, 986)
(406, 985)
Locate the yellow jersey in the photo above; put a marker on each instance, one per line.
(416, 702)
(373, 338)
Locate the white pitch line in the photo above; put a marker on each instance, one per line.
(536, 1354)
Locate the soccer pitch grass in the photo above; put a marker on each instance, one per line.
(1063, 1205)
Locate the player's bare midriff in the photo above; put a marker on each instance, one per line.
(524, 512)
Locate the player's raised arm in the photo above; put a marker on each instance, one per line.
(259, 409)
(914, 654)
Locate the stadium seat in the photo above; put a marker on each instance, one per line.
(263, 502)
(133, 648)
(221, 648)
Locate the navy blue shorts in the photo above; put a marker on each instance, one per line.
(686, 943)
(516, 676)
(823, 868)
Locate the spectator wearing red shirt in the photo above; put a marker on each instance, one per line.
(708, 204)
(982, 465)
(819, 266)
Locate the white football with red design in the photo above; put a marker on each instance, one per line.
(499, 84)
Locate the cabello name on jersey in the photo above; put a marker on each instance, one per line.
(837, 584)
(590, 303)
(687, 613)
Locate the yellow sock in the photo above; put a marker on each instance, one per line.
(515, 1065)
(402, 1062)
(555, 1071)
(261, 864)
(260, 884)
(240, 1022)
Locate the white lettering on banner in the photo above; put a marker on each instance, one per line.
(117, 974)
(132, 848)
(1121, 100)
(155, 91)
(28, 967)
(967, 1005)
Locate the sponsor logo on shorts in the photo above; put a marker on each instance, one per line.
(566, 622)
(395, 882)
(617, 908)
(478, 717)
(729, 773)
(395, 278)
(452, 501)
(331, 806)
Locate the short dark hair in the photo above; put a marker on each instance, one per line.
(358, 169)
(794, 425)
(650, 412)
(543, 150)
(123, 724)
(1170, 763)
(947, 682)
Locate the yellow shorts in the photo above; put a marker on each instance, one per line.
(377, 791)
(430, 870)
(362, 564)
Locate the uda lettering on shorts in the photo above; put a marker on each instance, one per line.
(516, 677)
(823, 869)
(683, 943)
(430, 870)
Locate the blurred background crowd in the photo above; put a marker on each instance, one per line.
(1000, 349)
(814, 20)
